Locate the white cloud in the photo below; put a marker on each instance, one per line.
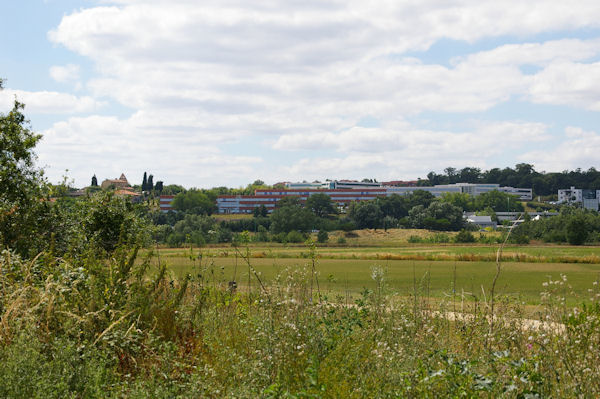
(48, 102)
(125, 145)
(200, 75)
(271, 56)
(577, 149)
(409, 140)
(568, 83)
(66, 73)
(405, 152)
(540, 54)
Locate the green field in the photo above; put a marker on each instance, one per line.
(347, 271)
(548, 253)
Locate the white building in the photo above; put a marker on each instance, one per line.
(333, 185)
(589, 199)
(482, 221)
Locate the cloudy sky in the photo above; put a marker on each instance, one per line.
(207, 93)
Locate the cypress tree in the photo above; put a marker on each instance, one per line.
(144, 183)
(150, 184)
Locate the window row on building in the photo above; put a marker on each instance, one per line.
(343, 197)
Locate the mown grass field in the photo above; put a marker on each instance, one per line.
(435, 270)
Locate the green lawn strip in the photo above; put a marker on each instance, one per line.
(544, 254)
(435, 279)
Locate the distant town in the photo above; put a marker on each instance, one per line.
(345, 192)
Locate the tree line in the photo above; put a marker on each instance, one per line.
(292, 219)
(523, 175)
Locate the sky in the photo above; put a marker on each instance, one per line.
(221, 93)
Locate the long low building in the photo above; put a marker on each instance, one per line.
(268, 198)
(343, 197)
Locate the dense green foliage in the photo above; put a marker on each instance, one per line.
(199, 202)
(291, 218)
(321, 205)
(493, 200)
(366, 214)
(523, 175)
(419, 209)
(573, 225)
(23, 190)
(437, 216)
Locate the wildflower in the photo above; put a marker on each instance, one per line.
(377, 273)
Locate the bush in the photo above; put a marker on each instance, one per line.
(577, 230)
(440, 238)
(341, 240)
(490, 239)
(519, 238)
(414, 239)
(347, 226)
(279, 237)
(326, 224)
(295, 237)
(322, 237)
(262, 235)
(464, 236)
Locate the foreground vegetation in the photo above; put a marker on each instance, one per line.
(104, 329)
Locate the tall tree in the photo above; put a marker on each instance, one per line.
(159, 186)
(291, 200)
(150, 184)
(22, 187)
(260, 211)
(320, 204)
(145, 183)
(195, 202)
(366, 214)
(498, 201)
(452, 175)
(291, 218)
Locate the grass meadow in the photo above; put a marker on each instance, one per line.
(442, 271)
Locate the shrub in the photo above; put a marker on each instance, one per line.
(519, 238)
(341, 240)
(347, 226)
(464, 236)
(262, 235)
(322, 237)
(577, 230)
(440, 238)
(295, 237)
(279, 237)
(414, 239)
